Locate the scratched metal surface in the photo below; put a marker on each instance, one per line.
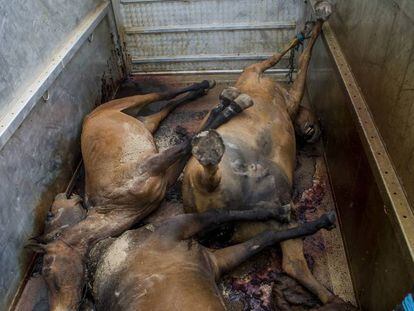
(169, 13)
(376, 244)
(30, 32)
(381, 34)
(173, 29)
(38, 160)
(232, 42)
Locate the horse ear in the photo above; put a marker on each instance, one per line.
(36, 247)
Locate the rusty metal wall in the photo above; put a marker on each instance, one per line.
(205, 35)
(377, 39)
(38, 156)
(376, 220)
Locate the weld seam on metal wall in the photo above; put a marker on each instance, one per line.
(21, 107)
(193, 28)
(384, 171)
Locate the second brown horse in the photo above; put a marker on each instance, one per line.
(250, 162)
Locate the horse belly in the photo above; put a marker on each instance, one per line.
(112, 156)
(141, 271)
(250, 179)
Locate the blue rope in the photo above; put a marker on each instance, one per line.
(300, 37)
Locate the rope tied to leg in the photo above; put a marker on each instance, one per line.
(301, 36)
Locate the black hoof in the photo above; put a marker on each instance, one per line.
(330, 219)
(208, 147)
(208, 84)
(211, 84)
(229, 94)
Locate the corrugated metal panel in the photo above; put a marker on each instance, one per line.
(231, 42)
(199, 62)
(168, 13)
(199, 35)
(197, 66)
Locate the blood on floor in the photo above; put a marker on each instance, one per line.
(259, 283)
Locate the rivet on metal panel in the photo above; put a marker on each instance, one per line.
(46, 96)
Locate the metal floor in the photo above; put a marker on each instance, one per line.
(258, 284)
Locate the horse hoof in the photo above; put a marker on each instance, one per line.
(229, 94)
(208, 147)
(211, 84)
(244, 101)
(323, 9)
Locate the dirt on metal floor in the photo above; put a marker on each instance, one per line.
(259, 284)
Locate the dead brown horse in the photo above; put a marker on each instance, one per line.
(160, 267)
(250, 162)
(126, 178)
